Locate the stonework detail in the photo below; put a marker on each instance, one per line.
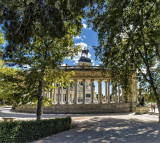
(89, 74)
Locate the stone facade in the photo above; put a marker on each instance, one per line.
(80, 96)
(82, 108)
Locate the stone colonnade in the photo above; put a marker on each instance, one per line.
(111, 96)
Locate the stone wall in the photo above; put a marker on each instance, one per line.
(82, 108)
(142, 109)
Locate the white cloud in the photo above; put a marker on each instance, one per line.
(84, 26)
(89, 55)
(82, 45)
(26, 66)
(77, 37)
(63, 64)
(93, 62)
(84, 36)
(77, 57)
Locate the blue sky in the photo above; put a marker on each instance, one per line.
(88, 38)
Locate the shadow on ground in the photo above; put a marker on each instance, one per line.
(110, 130)
(100, 128)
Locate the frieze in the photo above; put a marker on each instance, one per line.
(89, 74)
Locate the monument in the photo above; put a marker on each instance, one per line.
(79, 96)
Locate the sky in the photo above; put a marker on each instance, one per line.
(87, 39)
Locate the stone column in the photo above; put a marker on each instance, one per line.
(112, 92)
(58, 102)
(75, 91)
(92, 90)
(123, 100)
(84, 91)
(134, 94)
(108, 91)
(118, 92)
(55, 98)
(100, 91)
(43, 93)
(136, 90)
(46, 94)
(61, 94)
(106, 97)
(51, 94)
(68, 93)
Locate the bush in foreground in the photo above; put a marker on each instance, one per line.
(25, 131)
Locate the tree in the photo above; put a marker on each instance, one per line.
(40, 35)
(12, 88)
(11, 82)
(128, 35)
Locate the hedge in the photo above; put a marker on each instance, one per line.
(25, 131)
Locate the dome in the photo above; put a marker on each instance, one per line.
(84, 59)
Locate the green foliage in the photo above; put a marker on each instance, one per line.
(11, 85)
(40, 36)
(26, 131)
(1, 38)
(128, 35)
(52, 18)
(1, 43)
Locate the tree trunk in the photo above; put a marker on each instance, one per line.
(39, 105)
(40, 88)
(4, 103)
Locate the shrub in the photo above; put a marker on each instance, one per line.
(25, 131)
